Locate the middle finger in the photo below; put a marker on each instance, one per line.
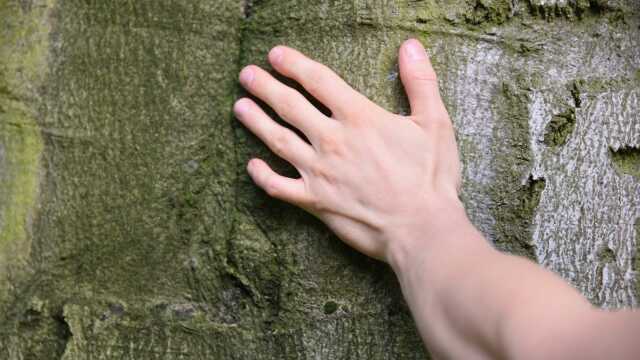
(287, 102)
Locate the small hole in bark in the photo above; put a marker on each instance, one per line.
(330, 307)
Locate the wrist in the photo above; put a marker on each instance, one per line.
(441, 227)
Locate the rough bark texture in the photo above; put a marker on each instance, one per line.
(129, 229)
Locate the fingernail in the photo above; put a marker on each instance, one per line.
(240, 107)
(275, 55)
(414, 50)
(246, 76)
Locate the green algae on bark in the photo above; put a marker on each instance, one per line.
(516, 192)
(606, 255)
(560, 128)
(627, 160)
(491, 11)
(23, 54)
(138, 171)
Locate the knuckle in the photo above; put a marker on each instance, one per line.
(272, 190)
(359, 118)
(439, 123)
(330, 144)
(322, 172)
(317, 170)
(314, 203)
(286, 102)
(425, 75)
(318, 205)
(271, 187)
(280, 143)
(354, 119)
(316, 76)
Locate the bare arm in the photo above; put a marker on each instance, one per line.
(473, 302)
(388, 186)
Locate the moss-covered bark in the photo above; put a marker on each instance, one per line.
(129, 229)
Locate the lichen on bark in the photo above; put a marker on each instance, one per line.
(23, 49)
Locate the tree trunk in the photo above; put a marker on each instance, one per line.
(130, 230)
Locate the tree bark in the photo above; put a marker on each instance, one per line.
(130, 230)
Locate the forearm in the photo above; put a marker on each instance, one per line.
(473, 302)
(366, 173)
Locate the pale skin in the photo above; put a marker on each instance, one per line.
(388, 186)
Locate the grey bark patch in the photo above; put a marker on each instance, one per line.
(570, 9)
(587, 205)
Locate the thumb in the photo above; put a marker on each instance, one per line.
(420, 81)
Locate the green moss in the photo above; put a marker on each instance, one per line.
(515, 219)
(525, 48)
(606, 255)
(516, 195)
(560, 128)
(583, 89)
(627, 160)
(489, 11)
(124, 211)
(23, 50)
(576, 91)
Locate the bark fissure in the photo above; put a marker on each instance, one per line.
(63, 332)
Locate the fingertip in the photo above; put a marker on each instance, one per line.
(276, 185)
(241, 106)
(264, 177)
(246, 75)
(413, 50)
(251, 165)
(276, 54)
(411, 41)
(252, 171)
(256, 165)
(419, 78)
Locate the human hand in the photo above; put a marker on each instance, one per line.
(367, 173)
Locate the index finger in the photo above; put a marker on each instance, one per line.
(320, 81)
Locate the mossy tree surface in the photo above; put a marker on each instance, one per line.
(129, 228)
